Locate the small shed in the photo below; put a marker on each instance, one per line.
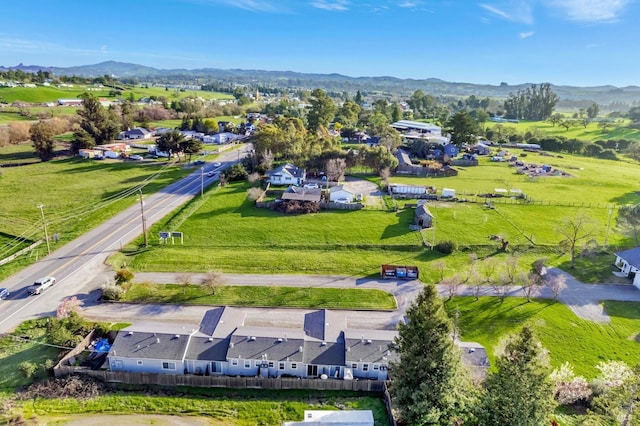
(339, 194)
(424, 218)
(448, 193)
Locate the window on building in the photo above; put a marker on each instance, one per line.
(365, 367)
(139, 362)
(354, 365)
(281, 366)
(247, 364)
(271, 364)
(294, 365)
(168, 365)
(234, 362)
(376, 366)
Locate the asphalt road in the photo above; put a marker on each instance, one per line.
(80, 261)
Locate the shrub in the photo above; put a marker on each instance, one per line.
(112, 292)
(123, 276)
(446, 247)
(27, 368)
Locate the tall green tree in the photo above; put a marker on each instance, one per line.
(629, 221)
(322, 110)
(519, 392)
(462, 128)
(428, 386)
(533, 103)
(41, 135)
(97, 125)
(171, 142)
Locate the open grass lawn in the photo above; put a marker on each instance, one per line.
(592, 132)
(221, 406)
(567, 338)
(172, 94)
(77, 195)
(291, 297)
(13, 352)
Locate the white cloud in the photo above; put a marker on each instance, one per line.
(251, 5)
(519, 11)
(526, 35)
(408, 4)
(336, 5)
(590, 10)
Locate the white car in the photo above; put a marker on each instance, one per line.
(217, 164)
(136, 157)
(40, 285)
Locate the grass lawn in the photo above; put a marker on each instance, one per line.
(13, 352)
(592, 132)
(290, 297)
(221, 406)
(567, 338)
(177, 122)
(77, 194)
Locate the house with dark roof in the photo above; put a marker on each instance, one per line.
(629, 263)
(300, 193)
(368, 352)
(423, 217)
(404, 162)
(287, 174)
(136, 133)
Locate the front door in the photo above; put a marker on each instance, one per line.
(312, 370)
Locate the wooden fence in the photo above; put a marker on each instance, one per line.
(131, 378)
(20, 253)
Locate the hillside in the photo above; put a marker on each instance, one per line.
(334, 82)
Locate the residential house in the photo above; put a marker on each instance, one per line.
(287, 174)
(70, 102)
(417, 126)
(629, 263)
(340, 194)
(299, 193)
(423, 217)
(481, 149)
(136, 133)
(368, 353)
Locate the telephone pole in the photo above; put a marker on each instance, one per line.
(44, 225)
(144, 221)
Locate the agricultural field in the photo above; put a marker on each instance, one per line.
(567, 338)
(592, 132)
(77, 194)
(225, 231)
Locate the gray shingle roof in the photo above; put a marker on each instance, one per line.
(207, 348)
(288, 169)
(369, 345)
(275, 344)
(149, 345)
(325, 325)
(324, 354)
(631, 256)
(221, 322)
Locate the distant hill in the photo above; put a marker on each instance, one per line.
(390, 86)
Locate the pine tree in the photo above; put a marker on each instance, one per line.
(428, 384)
(519, 393)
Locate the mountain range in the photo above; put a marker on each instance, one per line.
(384, 85)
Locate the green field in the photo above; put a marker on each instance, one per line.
(289, 297)
(43, 94)
(77, 195)
(567, 338)
(592, 132)
(177, 122)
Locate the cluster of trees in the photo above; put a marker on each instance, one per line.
(429, 385)
(533, 103)
(175, 143)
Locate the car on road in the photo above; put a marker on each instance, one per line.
(198, 162)
(41, 285)
(4, 293)
(216, 164)
(211, 174)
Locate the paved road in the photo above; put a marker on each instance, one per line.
(81, 260)
(583, 299)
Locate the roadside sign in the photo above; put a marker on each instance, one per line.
(177, 235)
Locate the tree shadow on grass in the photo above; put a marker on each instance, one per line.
(627, 310)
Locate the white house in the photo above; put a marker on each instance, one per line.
(136, 133)
(287, 174)
(629, 263)
(339, 194)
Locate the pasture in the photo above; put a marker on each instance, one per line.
(592, 132)
(567, 338)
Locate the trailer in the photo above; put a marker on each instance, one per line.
(400, 272)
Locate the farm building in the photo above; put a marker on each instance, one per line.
(137, 133)
(448, 193)
(629, 263)
(340, 194)
(287, 174)
(404, 162)
(417, 126)
(397, 189)
(298, 193)
(481, 149)
(424, 218)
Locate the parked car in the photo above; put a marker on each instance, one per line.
(311, 185)
(216, 164)
(4, 293)
(41, 285)
(198, 162)
(136, 157)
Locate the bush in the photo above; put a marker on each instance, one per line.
(446, 247)
(27, 368)
(112, 292)
(123, 276)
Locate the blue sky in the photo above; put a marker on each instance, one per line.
(571, 42)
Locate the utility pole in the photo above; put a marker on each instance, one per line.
(144, 221)
(44, 225)
(606, 235)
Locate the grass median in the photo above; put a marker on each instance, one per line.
(286, 297)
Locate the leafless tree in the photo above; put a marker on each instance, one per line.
(213, 280)
(385, 173)
(254, 179)
(439, 266)
(452, 284)
(531, 284)
(575, 230)
(267, 159)
(488, 267)
(557, 283)
(501, 286)
(334, 168)
(185, 279)
(254, 193)
(511, 268)
(471, 268)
